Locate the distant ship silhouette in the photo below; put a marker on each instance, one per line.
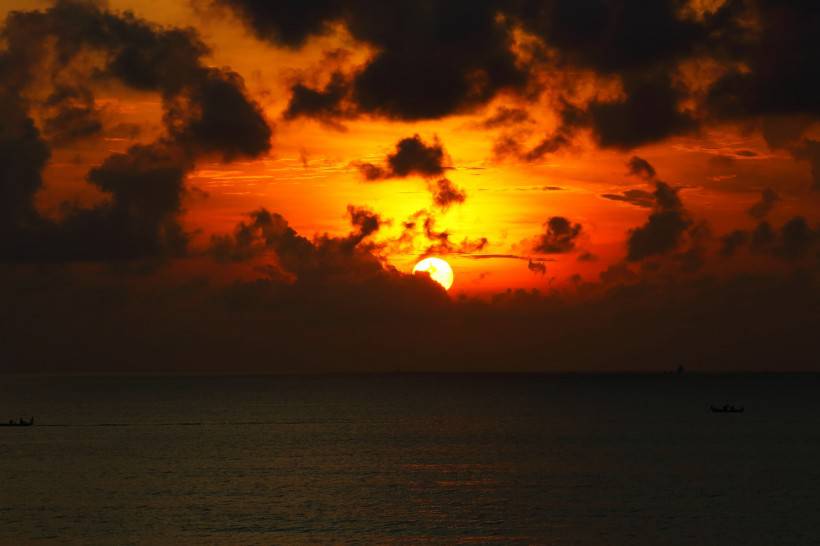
(20, 423)
(726, 408)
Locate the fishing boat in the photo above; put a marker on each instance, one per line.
(19, 423)
(726, 409)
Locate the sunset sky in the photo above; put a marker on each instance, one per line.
(597, 173)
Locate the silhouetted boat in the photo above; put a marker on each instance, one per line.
(19, 423)
(726, 409)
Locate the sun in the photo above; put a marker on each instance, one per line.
(439, 270)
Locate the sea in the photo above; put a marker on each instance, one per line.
(572, 459)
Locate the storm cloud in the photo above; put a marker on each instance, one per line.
(666, 226)
(324, 259)
(768, 199)
(664, 229)
(412, 156)
(207, 112)
(638, 166)
(446, 194)
(639, 198)
(559, 236)
(434, 59)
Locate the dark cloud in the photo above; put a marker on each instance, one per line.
(288, 22)
(793, 242)
(445, 194)
(763, 236)
(190, 325)
(650, 109)
(72, 116)
(667, 197)
(559, 237)
(664, 229)
(206, 109)
(639, 198)
(443, 245)
(764, 85)
(768, 199)
(423, 224)
(138, 220)
(746, 153)
(758, 86)
(649, 113)
(571, 119)
(732, 241)
(412, 157)
(613, 36)
(206, 113)
(548, 145)
(458, 57)
(214, 115)
(507, 257)
(323, 104)
(809, 151)
(365, 220)
(265, 231)
(504, 117)
(618, 273)
(506, 146)
(371, 172)
(145, 185)
(538, 268)
(434, 59)
(23, 155)
(324, 259)
(431, 60)
(385, 311)
(796, 239)
(641, 168)
(784, 131)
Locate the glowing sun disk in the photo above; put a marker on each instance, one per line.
(439, 270)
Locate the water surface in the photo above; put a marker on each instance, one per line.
(410, 459)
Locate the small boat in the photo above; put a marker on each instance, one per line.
(726, 409)
(19, 423)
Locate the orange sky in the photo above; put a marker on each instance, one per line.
(309, 177)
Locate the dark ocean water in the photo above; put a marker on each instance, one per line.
(411, 459)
